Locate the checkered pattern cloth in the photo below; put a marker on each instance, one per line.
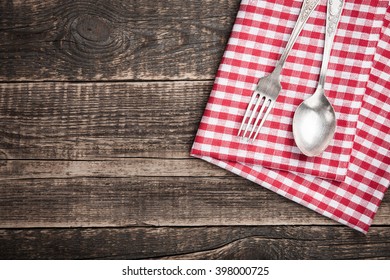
(348, 180)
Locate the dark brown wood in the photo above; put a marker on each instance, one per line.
(100, 120)
(138, 201)
(127, 167)
(113, 40)
(266, 242)
(175, 192)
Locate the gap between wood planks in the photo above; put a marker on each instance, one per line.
(113, 81)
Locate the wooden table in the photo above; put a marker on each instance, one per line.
(99, 105)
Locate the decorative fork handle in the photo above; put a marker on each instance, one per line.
(333, 15)
(307, 8)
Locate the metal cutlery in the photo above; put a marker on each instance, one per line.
(314, 122)
(269, 87)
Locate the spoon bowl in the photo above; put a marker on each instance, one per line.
(314, 124)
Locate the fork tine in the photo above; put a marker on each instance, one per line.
(271, 104)
(252, 115)
(247, 113)
(261, 97)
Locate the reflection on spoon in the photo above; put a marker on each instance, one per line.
(314, 124)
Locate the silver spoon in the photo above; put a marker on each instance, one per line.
(314, 122)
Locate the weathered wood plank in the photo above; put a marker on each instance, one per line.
(141, 167)
(113, 40)
(266, 242)
(104, 120)
(138, 201)
(302, 243)
(155, 201)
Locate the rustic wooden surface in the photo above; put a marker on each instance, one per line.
(99, 105)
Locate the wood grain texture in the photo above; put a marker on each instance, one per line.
(113, 40)
(100, 120)
(140, 201)
(266, 242)
(157, 192)
(110, 168)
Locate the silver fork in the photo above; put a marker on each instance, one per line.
(269, 87)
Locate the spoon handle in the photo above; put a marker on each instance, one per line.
(334, 10)
(307, 8)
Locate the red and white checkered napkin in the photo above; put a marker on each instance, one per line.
(348, 181)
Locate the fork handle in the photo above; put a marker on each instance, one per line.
(307, 8)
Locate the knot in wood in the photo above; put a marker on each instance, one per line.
(93, 28)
